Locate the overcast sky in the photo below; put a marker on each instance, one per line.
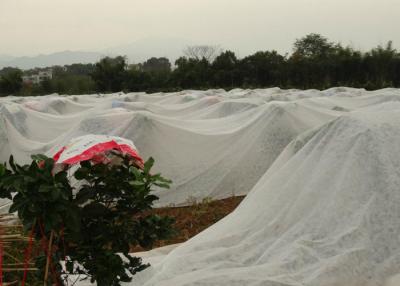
(29, 27)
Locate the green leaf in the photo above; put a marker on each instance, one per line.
(86, 164)
(12, 164)
(84, 195)
(2, 170)
(48, 165)
(136, 183)
(13, 208)
(162, 185)
(135, 172)
(39, 157)
(152, 198)
(73, 219)
(69, 265)
(55, 194)
(81, 173)
(148, 165)
(162, 179)
(95, 210)
(45, 188)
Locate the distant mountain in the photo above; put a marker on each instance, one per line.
(141, 50)
(4, 58)
(136, 52)
(59, 58)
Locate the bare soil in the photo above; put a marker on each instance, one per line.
(193, 219)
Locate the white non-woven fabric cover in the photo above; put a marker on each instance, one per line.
(210, 143)
(326, 216)
(324, 213)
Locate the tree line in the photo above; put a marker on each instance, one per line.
(315, 62)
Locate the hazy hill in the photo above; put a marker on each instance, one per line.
(144, 49)
(136, 52)
(59, 58)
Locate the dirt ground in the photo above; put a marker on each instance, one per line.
(191, 220)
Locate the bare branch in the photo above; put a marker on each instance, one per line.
(200, 52)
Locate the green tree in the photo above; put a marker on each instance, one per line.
(313, 46)
(110, 73)
(312, 61)
(347, 67)
(225, 70)
(156, 65)
(263, 69)
(192, 73)
(137, 80)
(380, 66)
(10, 81)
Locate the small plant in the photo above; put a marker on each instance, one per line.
(45, 206)
(113, 199)
(94, 229)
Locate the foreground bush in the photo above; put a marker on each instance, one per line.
(90, 227)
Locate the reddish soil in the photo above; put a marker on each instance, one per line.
(191, 220)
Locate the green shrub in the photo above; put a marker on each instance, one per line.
(94, 229)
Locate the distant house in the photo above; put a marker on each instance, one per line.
(38, 77)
